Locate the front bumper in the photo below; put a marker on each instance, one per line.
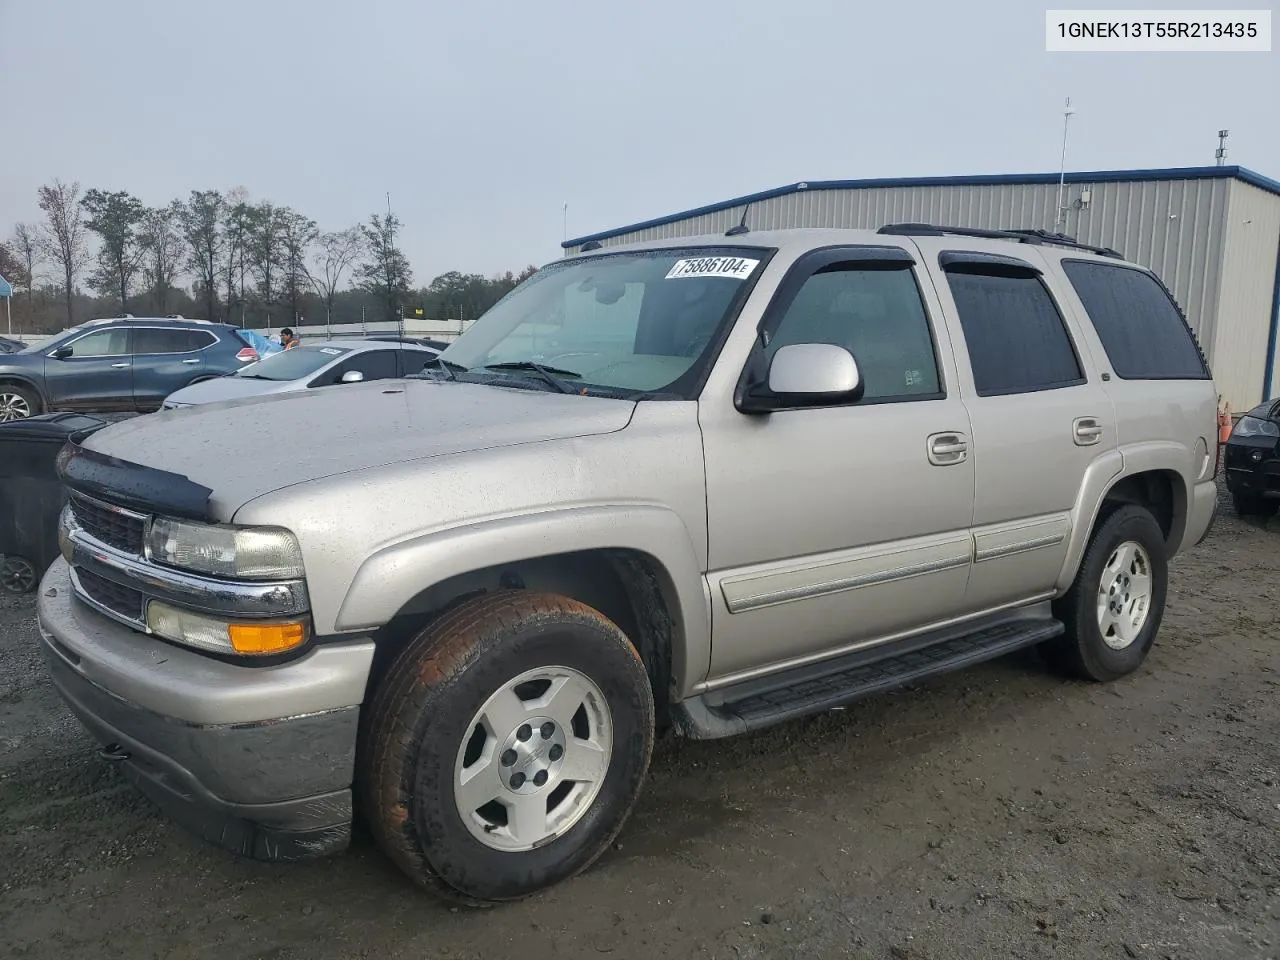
(1251, 465)
(258, 760)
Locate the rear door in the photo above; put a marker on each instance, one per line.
(1041, 418)
(166, 359)
(96, 375)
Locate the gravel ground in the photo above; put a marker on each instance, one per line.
(997, 813)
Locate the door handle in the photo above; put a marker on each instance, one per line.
(1087, 431)
(946, 449)
(118, 366)
(195, 360)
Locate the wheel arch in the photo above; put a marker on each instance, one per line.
(16, 379)
(1150, 476)
(636, 564)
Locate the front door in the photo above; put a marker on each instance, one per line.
(371, 364)
(96, 375)
(1041, 419)
(835, 527)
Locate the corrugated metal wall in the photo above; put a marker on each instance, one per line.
(1175, 227)
(1248, 290)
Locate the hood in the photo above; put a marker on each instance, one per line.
(230, 388)
(22, 362)
(1265, 410)
(241, 449)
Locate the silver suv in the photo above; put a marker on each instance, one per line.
(702, 484)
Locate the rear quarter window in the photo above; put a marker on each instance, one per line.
(1140, 327)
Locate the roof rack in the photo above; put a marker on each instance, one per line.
(1019, 235)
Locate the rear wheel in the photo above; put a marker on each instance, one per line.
(506, 746)
(1113, 610)
(1253, 505)
(17, 403)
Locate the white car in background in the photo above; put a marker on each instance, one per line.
(322, 364)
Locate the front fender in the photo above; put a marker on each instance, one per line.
(392, 576)
(26, 379)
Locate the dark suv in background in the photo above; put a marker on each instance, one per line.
(125, 364)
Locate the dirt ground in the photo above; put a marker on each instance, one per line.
(996, 813)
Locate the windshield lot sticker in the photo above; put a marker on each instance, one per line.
(330, 350)
(736, 268)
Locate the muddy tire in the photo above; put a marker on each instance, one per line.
(1113, 610)
(506, 746)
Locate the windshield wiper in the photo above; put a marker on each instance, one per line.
(546, 373)
(448, 366)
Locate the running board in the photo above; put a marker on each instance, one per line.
(801, 691)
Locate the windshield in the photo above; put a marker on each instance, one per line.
(53, 342)
(632, 322)
(292, 364)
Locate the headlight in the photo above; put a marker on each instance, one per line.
(1255, 427)
(219, 636)
(234, 553)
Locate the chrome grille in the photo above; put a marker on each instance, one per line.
(114, 527)
(119, 599)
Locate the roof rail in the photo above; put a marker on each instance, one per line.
(1019, 235)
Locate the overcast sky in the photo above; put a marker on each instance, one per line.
(483, 118)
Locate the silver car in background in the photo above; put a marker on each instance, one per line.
(322, 364)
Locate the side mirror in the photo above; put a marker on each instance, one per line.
(806, 375)
(62, 353)
(352, 376)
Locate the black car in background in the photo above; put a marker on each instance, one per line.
(127, 364)
(1251, 461)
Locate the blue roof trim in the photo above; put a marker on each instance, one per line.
(1089, 176)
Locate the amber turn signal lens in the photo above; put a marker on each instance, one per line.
(265, 638)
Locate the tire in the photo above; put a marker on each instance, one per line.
(18, 575)
(18, 402)
(447, 703)
(1084, 651)
(1252, 505)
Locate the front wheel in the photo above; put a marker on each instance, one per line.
(17, 403)
(506, 746)
(1113, 610)
(18, 575)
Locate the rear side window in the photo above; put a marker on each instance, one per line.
(1140, 328)
(1016, 338)
(158, 340)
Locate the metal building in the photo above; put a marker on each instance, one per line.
(1211, 233)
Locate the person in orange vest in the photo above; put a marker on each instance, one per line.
(287, 339)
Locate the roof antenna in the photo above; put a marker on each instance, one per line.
(742, 227)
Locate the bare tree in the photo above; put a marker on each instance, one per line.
(386, 273)
(336, 253)
(263, 249)
(161, 253)
(65, 241)
(200, 222)
(28, 248)
(297, 234)
(236, 232)
(115, 218)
